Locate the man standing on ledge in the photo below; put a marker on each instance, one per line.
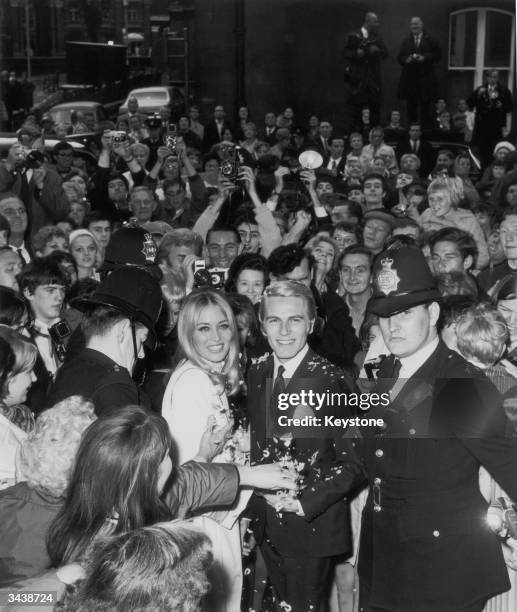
(418, 54)
(363, 53)
(425, 543)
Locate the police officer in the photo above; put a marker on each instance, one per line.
(131, 245)
(119, 317)
(425, 543)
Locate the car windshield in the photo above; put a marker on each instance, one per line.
(154, 97)
(62, 115)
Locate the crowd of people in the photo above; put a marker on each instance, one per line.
(158, 306)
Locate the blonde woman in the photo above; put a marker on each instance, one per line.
(17, 359)
(198, 390)
(43, 468)
(86, 253)
(444, 196)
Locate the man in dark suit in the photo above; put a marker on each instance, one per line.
(418, 54)
(214, 130)
(38, 186)
(268, 132)
(132, 111)
(321, 142)
(414, 143)
(425, 544)
(298, 555)
(334, 162)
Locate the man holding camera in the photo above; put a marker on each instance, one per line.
(26, 174)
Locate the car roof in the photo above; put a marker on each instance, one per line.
(149, 89)
(74, 105)
(7, 140)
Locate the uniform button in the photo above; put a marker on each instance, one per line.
(436, 533)
(377, 481)
(412, 431)
(379, 452)
(377, 508)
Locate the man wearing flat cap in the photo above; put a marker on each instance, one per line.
(425, 543)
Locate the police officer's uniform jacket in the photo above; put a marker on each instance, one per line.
(98, 378)
(425, 544)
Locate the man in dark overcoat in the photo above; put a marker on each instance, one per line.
(419, 52)
(363, 53)
(493, 104)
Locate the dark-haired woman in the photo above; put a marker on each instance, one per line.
(123, 479)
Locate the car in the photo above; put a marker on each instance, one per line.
(60, 113)
(151, 99)
(454, 145)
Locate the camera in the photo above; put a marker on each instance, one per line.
(170, 138)
(230, 166)
(118, 137)
(60, 331)
(214, 278)
(34, 159)
(59, 334)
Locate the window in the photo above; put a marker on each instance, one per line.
(74, 14)
(482, 38)
(133, 14)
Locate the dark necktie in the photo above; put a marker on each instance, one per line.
(278, 389)
(24, 190)
(20, 254)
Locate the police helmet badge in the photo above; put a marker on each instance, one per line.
(149, 249)
(387, 278)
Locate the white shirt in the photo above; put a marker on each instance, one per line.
(333, 161)
(410, 364)
(45, 347)
(413, 362)
(11, 438)
(25, 254)
(291, 365)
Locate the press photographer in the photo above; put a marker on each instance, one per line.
(26, 175)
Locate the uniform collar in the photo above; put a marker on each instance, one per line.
(414, 362)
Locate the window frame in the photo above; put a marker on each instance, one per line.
(479, 69)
